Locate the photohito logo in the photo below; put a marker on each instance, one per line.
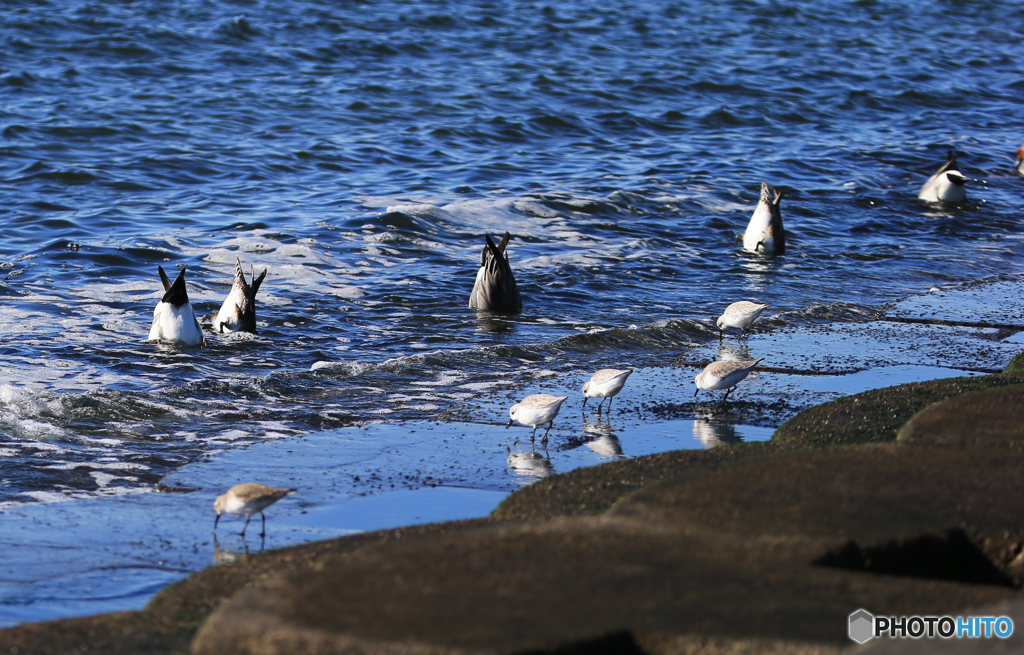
(864, 626)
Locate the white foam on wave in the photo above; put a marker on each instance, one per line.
(103, 479)
(38, 430)
(302, 265)
(26, 412)
(100, 442)
(105, 466)
(533, 208)
(231, 435)
(444, 379)
(17, 400)
(46, 496)
(14, 320)
(45, 446)
(487, 386)
(420, 209)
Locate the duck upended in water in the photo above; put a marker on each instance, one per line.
(238, 313)
(947, 185)
(764, 232)
(495, 289)
(173, 318)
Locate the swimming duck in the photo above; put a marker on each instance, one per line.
(764, 232)
(173, 318)
(947, 185)
(495, 288)
(238, 313)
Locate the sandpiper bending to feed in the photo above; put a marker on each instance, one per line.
(947, 185)
(724, 375)
(739, 315)
(606, 383)
(535, 410)
(495, 288)
(238, 313)
(764, 231)
(173, 318)
(246, 499)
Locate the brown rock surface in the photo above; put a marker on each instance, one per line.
(878, 415)
(734, 553)
(974, 417)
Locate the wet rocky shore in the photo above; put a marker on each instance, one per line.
(902, 500)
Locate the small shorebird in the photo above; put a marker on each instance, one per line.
(247, 499)
(606, 383)
(947, 185)
(535, 410)
(173, 318)
(764, 232)
(724, 375)
(495, 288)
(739, 315)
(238, 313)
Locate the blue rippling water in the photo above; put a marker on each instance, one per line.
(360, 151)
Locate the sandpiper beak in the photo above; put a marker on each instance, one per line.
(510, 422)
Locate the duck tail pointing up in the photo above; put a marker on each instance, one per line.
(175, 294)
(256, 282)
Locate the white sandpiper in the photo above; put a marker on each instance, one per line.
(495, 288)
(173, 318)
(606, 383)
(739, 315)
(238, 313)
(764, 231)
(536, 410)
(246, 499)
(947, 185)
(724, 375)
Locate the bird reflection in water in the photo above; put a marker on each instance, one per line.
(529, 465)
(222, 555)
(601, 438)
(733, 352)
(715, 433)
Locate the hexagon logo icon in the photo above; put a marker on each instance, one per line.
(862, 626)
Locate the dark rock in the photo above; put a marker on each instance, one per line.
(878, 415)
(994, 414)
(729, 553)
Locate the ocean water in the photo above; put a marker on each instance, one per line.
(360, 152)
